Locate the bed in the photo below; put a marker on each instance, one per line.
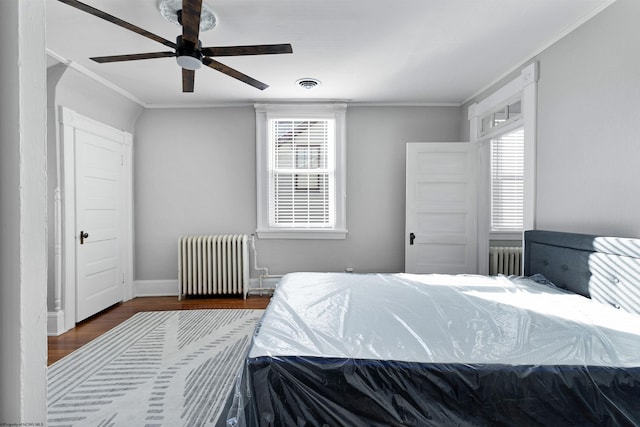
(558, 347)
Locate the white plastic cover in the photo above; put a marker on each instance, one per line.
(443, 319)
(344, 349)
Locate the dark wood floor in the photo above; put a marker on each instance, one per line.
(95, 326)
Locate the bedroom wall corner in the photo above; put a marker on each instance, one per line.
(67, 87)
(194, 173)
(588, 97)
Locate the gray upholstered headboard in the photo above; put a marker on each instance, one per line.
(606, 269)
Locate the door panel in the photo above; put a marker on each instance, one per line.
(99, 174)
(441, 208)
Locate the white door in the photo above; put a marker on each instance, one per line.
(99, 200)
(441, 208)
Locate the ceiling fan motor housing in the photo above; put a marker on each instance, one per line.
(188, 55)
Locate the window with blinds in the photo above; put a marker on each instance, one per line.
(301, 173)
(507, 182)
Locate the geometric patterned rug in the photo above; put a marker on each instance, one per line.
(162, 368)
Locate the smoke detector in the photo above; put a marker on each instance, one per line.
(308, 83)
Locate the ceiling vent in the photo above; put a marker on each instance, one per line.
(308, 83)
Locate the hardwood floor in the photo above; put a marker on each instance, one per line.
(100, 323)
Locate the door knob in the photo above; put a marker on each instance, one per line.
(412, 237)
(83, 235)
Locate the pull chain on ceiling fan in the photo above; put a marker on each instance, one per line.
(187, 49)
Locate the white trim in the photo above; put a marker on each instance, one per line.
(267, 282)
(301, 234)
(301, 109)
(503, 235)
(528, 76)
(55, 323)
(348, 103)
(405, 104)
(88, 73)
(68, 218)
(166, 288)
(525, 86)
(128, 216)
(155, 288)
(69, 121)
(55, 319)
(501, 130)
(529, 111)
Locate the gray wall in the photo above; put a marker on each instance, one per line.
(588, 133)
(84, 95)
(588, 138)
(195, 173)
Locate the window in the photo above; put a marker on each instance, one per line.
(301, 179)
(507, 182)
(501, 117)
(300, 169)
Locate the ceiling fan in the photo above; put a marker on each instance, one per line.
(187, 49)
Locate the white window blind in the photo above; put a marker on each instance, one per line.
(301, 173)
(507, 182)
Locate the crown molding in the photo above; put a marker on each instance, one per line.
(88, 73)
(541, 49)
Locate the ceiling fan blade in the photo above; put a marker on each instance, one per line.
(132, 57)
(191, 10)
(261, 49)
(124, 24)
(188, 79)
(212, 63)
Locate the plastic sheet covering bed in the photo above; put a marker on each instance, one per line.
(434, 350)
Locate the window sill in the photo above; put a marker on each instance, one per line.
(505, 235)
(301, 234)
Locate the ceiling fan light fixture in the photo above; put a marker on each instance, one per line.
(189, 62)
(308, 83)
(169, 10)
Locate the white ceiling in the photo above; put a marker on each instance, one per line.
(363, 51)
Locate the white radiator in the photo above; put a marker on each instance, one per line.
(213, 265)
(505, 260)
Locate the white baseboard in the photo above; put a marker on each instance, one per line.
(55, 323)
(163, 288)
(267, 283)
(155, 288)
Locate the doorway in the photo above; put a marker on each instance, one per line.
(96, 220)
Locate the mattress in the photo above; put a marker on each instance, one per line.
(399, 349)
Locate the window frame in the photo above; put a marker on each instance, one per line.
(331, 111)
(523, 86)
